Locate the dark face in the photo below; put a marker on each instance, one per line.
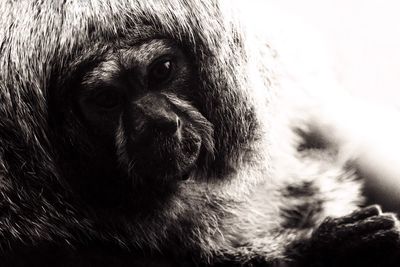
(145, 99)
(135, 109)
(110, 105)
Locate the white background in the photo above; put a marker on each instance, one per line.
(363, 36)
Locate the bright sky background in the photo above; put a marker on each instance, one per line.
(364, 36)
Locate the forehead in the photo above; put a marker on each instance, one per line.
(89, 25)
(141, 54)
(62, 37)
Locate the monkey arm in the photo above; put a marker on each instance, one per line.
(366, 237)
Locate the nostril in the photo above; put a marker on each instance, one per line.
(168, 125)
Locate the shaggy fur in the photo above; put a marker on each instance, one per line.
(256, 202)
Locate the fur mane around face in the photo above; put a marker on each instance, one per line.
(44, 53)
(259, 195)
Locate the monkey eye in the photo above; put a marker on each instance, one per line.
(107, 99)
(161, 70)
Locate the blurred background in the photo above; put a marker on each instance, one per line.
(329, 45)
(363, 37)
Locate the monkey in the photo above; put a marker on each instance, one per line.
(146, 133)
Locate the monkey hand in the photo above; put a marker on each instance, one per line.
(366, 237)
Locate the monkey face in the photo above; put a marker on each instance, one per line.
(114, 103)
(135, 103)
(138, 106)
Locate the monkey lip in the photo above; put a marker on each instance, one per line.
(181, 169)
(170, 159)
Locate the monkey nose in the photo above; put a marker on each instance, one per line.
(168, 125)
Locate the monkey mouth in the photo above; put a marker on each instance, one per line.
(180, 161)
(170, 159)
